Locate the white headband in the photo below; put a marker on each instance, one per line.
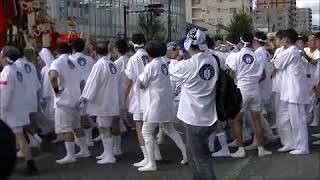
(244, 43)
(196, 37)
(260, 40)
(7, 59)
(230, 43)
(138, 45)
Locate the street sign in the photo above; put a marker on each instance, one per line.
(137, 7)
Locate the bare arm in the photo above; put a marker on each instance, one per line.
(263, 76)
(127, 92)
(54, 75)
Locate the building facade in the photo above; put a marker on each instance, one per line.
(272, 15)
(304, 19)
(210, 13)
(105, 18)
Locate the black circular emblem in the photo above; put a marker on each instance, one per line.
(112, 68)
(192, 34)
(71, 65)
(164, 69)
(248, 59)
(206, 72)
(145, 59)
(82, 61)
(19, 76)
(27, 68)
(177, 90)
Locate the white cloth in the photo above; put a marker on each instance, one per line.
(248, 71)
(312, 69)
(293, 83)
(66, 119)
(176, 86)
(121, 64)
(266, 85)
(158, 101)
(222, 57)
(134, 68)
(101, 90)
(69, 80)
(199, 75)
(85, 64)
(46, 56)
(12, 96)
(32, 84)
(104, 121)
(276, 81)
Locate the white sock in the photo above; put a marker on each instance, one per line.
(117, 142)
(83, 144)
(223, 141)
(88, 134)
(70, 149)
(37, 137)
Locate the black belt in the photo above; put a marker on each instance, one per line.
(308, 75)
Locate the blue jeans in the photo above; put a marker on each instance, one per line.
(198, 152)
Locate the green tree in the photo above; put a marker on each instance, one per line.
(241, 23)
(152, 26)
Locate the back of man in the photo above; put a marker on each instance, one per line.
(85, 64)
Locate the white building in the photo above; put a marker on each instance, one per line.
(303, 19)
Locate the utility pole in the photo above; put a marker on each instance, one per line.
(169, 20)
(125, 9)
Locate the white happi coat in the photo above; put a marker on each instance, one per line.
(134, 68)
(312, 70)
(248, 71)
(32, 83)
(176, 86)
(266, 85)
(198, 75)
(158, 94)
(12, 97)
(101, 90)
(85, 64)
(69, 79)
(121, 64)
(276, 81)
(294, 79)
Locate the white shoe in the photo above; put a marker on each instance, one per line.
(314, 124)
(285, 149)
(66, 160)
(89, 143)
(262, 152)
(19, 154)
(239, 154)
(316, 135)
(107, 160)
(233, 144)
(316, 142)
(221, 153)
(298, 152)
(98, 138)
(184, 161)
(117, 152)
(101, 156)
(142, 163)
(148, 168)
(250, 147)
(83, 154)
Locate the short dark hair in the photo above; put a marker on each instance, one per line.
(11, 52)
(102, 48)
(63, 47)
(210, 42)
(261, 35)
(122, 46)
(248, 37)
(291, 34)
(279, 34)
(303, 39)
(163, 48)
(154, 49)
(194, 47)
(78, 45)
(232, 40)
(138, 38)
(317, 35)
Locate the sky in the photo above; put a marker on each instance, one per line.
(315, 6)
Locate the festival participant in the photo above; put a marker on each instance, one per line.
(85, 64)
(248, 72)
(12, 111)
(101, 99)
(294, 91)
(66, 79)
(197, 108)
(133, 96)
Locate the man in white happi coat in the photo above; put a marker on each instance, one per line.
(101, 98)
(133, 96)
(85, 64)
(66, 79)
(294, 91)
(13, 110)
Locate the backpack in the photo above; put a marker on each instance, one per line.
(228, 96)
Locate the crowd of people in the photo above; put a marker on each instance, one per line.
(162, 85)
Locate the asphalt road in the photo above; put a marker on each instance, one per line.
(279, 166)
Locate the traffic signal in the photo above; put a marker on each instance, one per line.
(157, 9)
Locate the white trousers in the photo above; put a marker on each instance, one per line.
(299, 127)
(148, 130)
(283, 122)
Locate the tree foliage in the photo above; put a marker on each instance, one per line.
(151, 26)
(241, 23)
